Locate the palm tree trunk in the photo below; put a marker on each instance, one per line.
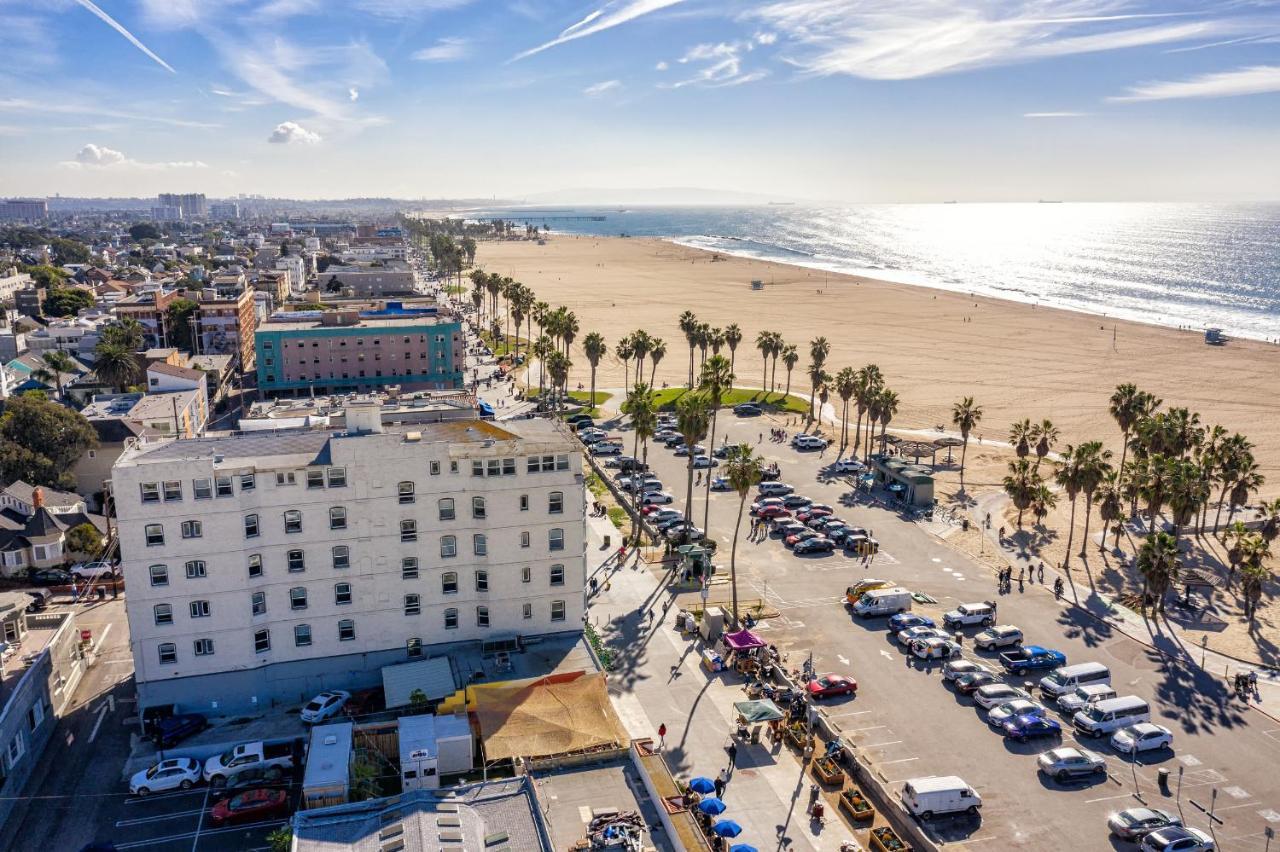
(593, 385)
(691, 366)
(1088, 511)
(653, 372)
(711, 450)
(645, 461)
(1071, 531)
(773, 381)
(964, 451)
(733, 559)
(626, 375)
(857, 442)
(1217, 518)
(764, 378)
(688, 499)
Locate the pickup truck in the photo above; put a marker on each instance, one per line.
(256, 755)
(1022, 660)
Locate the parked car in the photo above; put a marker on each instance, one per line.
(845, 466)
(970, 614)
(667, 523)
(1144, 736)
(49, 577)
(774, 489)
(970, 682)
(775, 513)
(1002, 713)
(326, 705)
(168, 731)
(830, 685)
(720, 484)
(990, 695)
(704, 462)
(592, 436)
(819, 544)
(838, 532)
(796, 501)
(660, 514)
(1136, 823)
(1024, 728)
(803, 534)
(604, 448)
(1178, 838)
(814, 511)
(179, 773)
(747, 409)
(1083, 696)
(626, 464)
(955, 668)
(935, 649)
(683, 450)
(656, 498)
(256, 776)
(251, 806)
(904, 620)
(911, 634)
(819, 521)
(999, 636)
(1067, 762)
(1030, 657)
(764, 502)
(39, 599)
(245, 755)
(809, 442)
(93, 571)
(677, 532)
(640, 483)
(786, 528)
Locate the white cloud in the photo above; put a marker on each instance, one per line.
(56, 104)
(1255, 80)
(93, 156)
(606, 17)
(98, 155)
(724, 68)
(598, 89)
(290, 132)
(1053, 114)
(353, 93)
(661, 66)
(766, 38)
(907, 39)
(115, 25)
(448, 49)
(398, 10)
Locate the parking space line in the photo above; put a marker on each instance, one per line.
(1108, 798)
(871, 728)
(1233, 807)
(881, 745)
(156, 841)
(200, 822)
(125, 823)
(902, 760)
(160, 797)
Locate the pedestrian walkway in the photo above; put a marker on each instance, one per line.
(657, 680)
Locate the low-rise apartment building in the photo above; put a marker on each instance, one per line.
(265, 566)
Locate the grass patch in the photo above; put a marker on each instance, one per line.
(596, 487)
(618, 515)
(591, 404)
(502, 348)
(773, 402)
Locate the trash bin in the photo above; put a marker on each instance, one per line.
(102, 593)
(964, 525)
(1162, 778)
(607, 540)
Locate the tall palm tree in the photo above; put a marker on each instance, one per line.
(1188, 490)
(1110, 500)
(704, 341)
(732, 337)
(519, 308)
(689, 328)
(116, 365)
(1158, 564)
(693, 416)
(869, 383)
(542, 349)
(714, 383)
(764, 342)
(624, 351)
(479, 281)
(509, 288)
(1247, 483)
(777, 346)
(819, 349)
(541, 311)
(1021, 484)
(558, 364)
(657, 351)
(641, 342)
(568, 330)
(1234, 458)
(846, 383)
(1270, 528)
(1022, 436)
(1042, 501)
(1046, 435)
(1208, 457)
(53, 366)
(790, 357)
(1095, 472)
(1254, 574)
(887, 406)
(1070, 476)
(595, 348)
(742, 470)
(1129, 405)
(965, 415)
(639, 406)
(715, 338)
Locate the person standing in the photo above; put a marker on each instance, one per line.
(733, 754)
(720, 782)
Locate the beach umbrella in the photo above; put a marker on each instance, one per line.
(727, 828)
(743, 847)
(702, 785)
(712, 806)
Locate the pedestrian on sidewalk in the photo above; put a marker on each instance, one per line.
(720, 782)
(733, 754)
(1041, 573)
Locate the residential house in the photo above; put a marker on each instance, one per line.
(33, 534)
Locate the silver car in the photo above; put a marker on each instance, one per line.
(1000, 636)
(1137, 823)
(997, 693)
(954, 668)
(1012, 710)
(1067, 762)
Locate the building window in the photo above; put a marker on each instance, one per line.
(168, 653)
(562, 462)
(163, 614)
(225, 487)
(342, 594)
(297, 598)
(409, 568)
(448, 546)
(405, 490)
(199, 609)
(524, 502)
(261, 640)
(293, 521)
(449, 583)
(192, 529)
(203, 647)
(408, 530)
(480, 544)
(285, 478)
(337, 518)
(446, 508)
(302, 635)
(435, 468)
(482, 581)
(477, 507)
(524, 538)
(508, 467)
(341, 557)
(482, 616)
(555, 502)
(248, 481)
(527, 611)
(453, 465)
(414, 648)
(172, 490)
(337, 475)
(477, 468)
(555, 539)
(297, 561)
(557, 575)
(255, 564)
(155, 535)
(150, 492)
(346, 630)
(197, 569)
(557, 610)
(412, 605)
(159, 575)
(202, 488)
(526, 574)
(315, 479)
(259, 600)
(450, 619)
(251, 529)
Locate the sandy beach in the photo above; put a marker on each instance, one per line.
(934, 347)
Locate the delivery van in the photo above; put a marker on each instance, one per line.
(941, 794)
(1065, 679)
(1107, 717)
(883, 602)
(860, 588)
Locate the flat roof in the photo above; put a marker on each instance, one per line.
(573, 797)
(398, 322)
(329, 755)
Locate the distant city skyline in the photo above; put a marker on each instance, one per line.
(822, 100)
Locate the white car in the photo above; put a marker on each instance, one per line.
(994, 694)
(1178, 838)
(911, 634)
(702, 462)
(605, 448)
(775, 489)
(656, 498)
(325, 705)
(846, 466)
(93, 570)
(955, 668)
(1012, 710)
(809, 442)
(1000, 636)
(1144, 736)
(935, 648)
(179, 773)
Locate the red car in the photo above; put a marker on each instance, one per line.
(773, 513)
(251, 806)
(814, 511)
(831, 685)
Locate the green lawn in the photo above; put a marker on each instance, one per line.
(775, 402)
(509, 345)
(583, 398)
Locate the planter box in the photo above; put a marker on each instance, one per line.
(828, 771)
(798, 737)
(886, 840)
(857, 805)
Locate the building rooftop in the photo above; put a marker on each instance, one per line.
(110, 405)
(177, 372)
(161, 405)
(572, 798)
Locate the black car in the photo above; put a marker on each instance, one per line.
(49, 577)
(818, 544)
(748, 409)
(170, 730)
(627, 464)
(255, 776)
(39, 599)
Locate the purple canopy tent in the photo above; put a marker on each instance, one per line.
(743, 640)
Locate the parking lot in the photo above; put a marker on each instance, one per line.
(909, 724)
(179, 820)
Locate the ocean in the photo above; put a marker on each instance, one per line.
(1195, 265)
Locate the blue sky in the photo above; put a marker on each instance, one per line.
(846, 100)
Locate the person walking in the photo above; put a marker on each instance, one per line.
(721, 780)
(733, 754)
(1040, 574)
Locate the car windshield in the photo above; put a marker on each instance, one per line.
(1054, 678)
(1094, 714)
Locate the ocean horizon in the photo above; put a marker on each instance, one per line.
(1174, 264)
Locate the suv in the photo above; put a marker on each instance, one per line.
(1000, 636)
(170, 730)
(969, 614)
(808, 442)
(775, 489)
(93, 570)
(748, 409)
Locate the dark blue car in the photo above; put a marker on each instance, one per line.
(903, 620)
(1025, 728)
(170, 730)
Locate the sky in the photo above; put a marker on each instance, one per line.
(525, 100)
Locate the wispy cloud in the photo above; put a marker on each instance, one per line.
(59, 106)
(661, 66)
(1053, 114)
(115, 25)
(292, 133)
(398, 10)
(1255, 80)
(908, 39)
(724, 66)
(605, 18)
(448, 49)
(93, 156)
(603, 87)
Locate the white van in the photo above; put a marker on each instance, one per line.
(883, 602)
(1065, 679)
(940, 794)
(1107, 717)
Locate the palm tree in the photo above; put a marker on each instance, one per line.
(640, 345)
(509, 289)
(624, 351)
(541, 311)
(732, 337)
(689, 328)
(715, 383)
(777, 346)
(742, 470)
(558, 364)
(1046, 435)
(1021, 484)
(479, 280)
(1022, 436)
(704, 341)
(1128, 406)
(1188, 490)
(657, 352)
(693, 415)
(542, 349)
(126, 331)
(965, 415)
(887, 406)
(1234, 458)
(594, 347)
(1248, 482)
(1151, 476)
(1254, 575)
(1270, 528)
(819, 349)
(790, 357)
(639, 406)
(846, 383)
(519, 307)
(53, 366)
(116, 365)
(1110, 499)
(568, 330)
(869, 381)
(764, 342)
(1042, 501)
(1096, 472)
(1070, 476)
(1158, 564)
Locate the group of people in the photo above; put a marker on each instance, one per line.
(1004, 579)
(777, 436)
(598, 509)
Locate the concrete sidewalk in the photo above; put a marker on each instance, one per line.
(657, 680)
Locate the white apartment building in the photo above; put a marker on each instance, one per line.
(263, 567)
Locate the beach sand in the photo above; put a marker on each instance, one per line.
(934, 347)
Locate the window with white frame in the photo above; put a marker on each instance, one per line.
(154, 534)
(480, 544)
(482, 581)
(168, 653)
(346, 630)
(202, 489)
(557, 575)
(203, 647)
(296, 560)
(251, 527)
(159, 575)
(261, 640)
(197, 569)
(557, 610)
(199, 609)
(150, 492)
(258, 602)
(225, 486)
(172, 490)
(302, 635)
(408, 530)
(293, 521)
(338, 518)
(524, 538)
(555, 539)
(298, 598)
(412, 605)
(445, 505)
(163, 613)
(409, 568)
(405, 492)
(448, 546)
(337, 477)
(315, 478)
(192, 529)
(477, 507)
(341, 557)
(255, 564)
(451, 619)
(526, 574)
(342, 594)
(482, 616)
(555, 502)
(527, 611)
(449, 582)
